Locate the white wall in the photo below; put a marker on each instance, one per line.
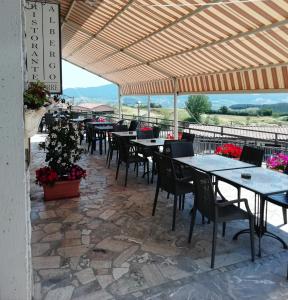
(14, 204)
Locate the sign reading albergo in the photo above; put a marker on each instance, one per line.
(43, 44)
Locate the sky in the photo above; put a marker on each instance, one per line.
(73, 77)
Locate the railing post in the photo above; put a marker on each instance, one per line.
(276, 138)
(119, 103)
(175, 110)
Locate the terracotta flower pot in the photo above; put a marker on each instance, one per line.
(62, 190)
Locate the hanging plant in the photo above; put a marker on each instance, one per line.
(36, 95)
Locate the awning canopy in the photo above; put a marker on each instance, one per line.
(188, 46)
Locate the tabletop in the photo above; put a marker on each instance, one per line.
(213, 162)
(100, 123)
(263, 181)
(149, 143)
(104, 128)
(125, 133)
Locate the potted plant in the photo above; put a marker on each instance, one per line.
(278, 162)
(61, 178)
(35, 100)
(229, 150)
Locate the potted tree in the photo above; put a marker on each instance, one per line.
(61, 178)
(36, 98)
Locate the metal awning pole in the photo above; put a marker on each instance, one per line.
(148, 108)
(175, 110)
(119, 103)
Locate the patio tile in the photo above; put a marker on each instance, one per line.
(106, 245)
(85, 276)
(45, 262)
(64, 293)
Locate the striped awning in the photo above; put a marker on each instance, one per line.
(188, 46)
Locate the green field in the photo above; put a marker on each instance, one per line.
(167, 114)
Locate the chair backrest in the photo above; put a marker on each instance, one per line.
(156, 131)
(188, 137)
(252, 155)
(204, 194)
(167, 148)
(124, 147)
(49, 119)
(147, 134)
(120, 128)
(166, 173)
(133, 125)
(120, 122)
(181, 149)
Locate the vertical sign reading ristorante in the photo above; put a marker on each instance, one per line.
(42, 31)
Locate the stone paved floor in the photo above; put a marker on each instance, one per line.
(106, 245)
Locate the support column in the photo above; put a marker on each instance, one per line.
(119, 103)
(148, 107)
(175, 110)
(15, 262)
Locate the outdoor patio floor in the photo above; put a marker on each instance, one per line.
(106, 245)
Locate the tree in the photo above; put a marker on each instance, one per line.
(223, 109)
(196, 105)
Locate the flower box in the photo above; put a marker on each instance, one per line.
(32, 120)
(61, 190)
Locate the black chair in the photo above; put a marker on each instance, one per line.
(217, 211)
(181, 149)
(156, 131)
(186, 136)
(120, 122)
(49, 121)
(145, 134)
(252, 156)
(112, 143)
(91, 138)
(127, 155)
(282, 201)
(170, 182)
(133, 125)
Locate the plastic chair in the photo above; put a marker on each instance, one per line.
(170, 182)
(218, 211)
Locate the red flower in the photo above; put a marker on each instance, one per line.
(229, 150)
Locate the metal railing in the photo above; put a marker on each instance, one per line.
(208, 137)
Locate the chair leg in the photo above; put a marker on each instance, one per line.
(215, 225)
(147, 171)
(238, 194)
(117, 171)
(183, 202)
(107, 157)
(110, 157)
(203, 220)
(174, 213)
(284, 210)
(155, 200)
(137, 169)
(193, 217)
(251, 227)
(179, 204)
(223, 228)
(126, 174)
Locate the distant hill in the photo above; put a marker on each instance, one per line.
(109, 93)
(277, 107)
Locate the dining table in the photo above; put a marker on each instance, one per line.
(124, 133)
(212, 162)
(263, 182)
(149, 142)
(101, 128)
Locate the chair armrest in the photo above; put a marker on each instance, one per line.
(227, 203)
